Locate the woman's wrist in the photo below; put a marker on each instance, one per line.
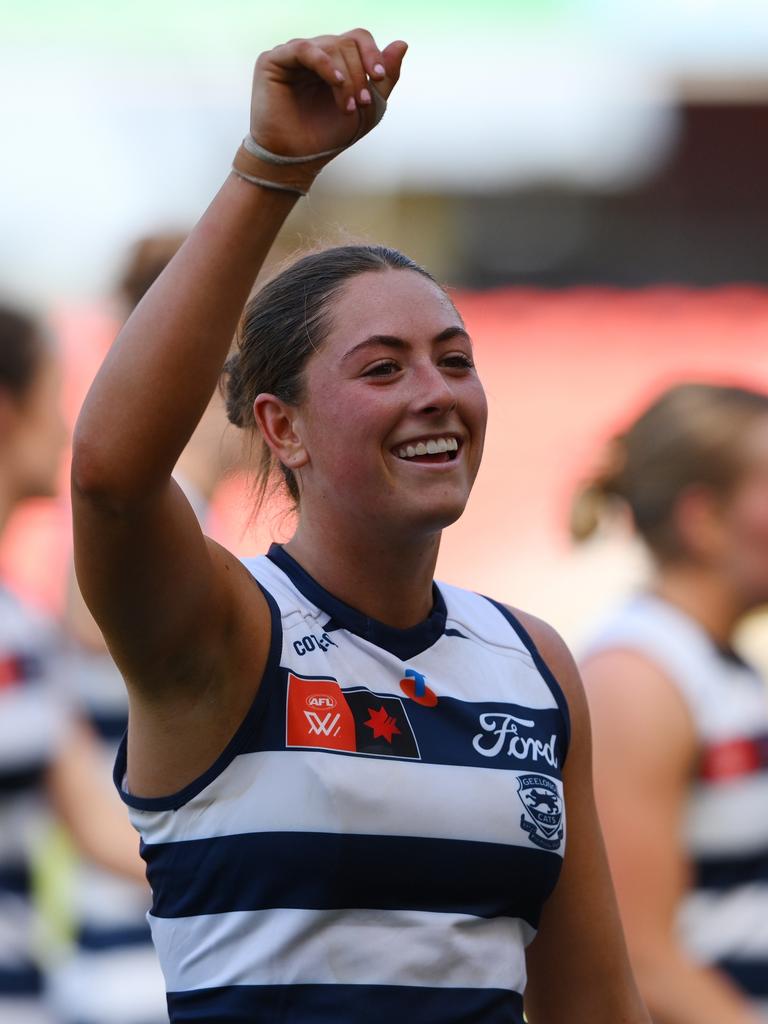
(262, 168)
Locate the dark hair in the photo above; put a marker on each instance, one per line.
(146, 260)
(692, 434)
(21, 348)
(283, 324)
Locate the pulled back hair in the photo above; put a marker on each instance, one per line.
(690, 435)
(287, 321)
(21, 349)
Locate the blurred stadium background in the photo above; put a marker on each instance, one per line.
(589, 175)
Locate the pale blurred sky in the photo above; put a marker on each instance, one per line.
(120, 118)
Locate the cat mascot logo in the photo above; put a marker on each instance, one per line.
(543, 818)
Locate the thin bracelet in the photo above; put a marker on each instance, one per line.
(269, 157)
(268, 184)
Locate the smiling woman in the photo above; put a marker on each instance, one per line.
(351, 783)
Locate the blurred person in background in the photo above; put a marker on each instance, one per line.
(46, 758)
(32, 719)
(680, 720)
(317, 852)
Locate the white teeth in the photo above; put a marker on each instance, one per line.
(433, 446)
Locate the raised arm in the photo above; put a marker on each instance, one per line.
(171, 604)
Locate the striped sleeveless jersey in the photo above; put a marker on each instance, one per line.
(723, 919)
(377, 840)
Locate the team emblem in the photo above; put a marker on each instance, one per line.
(543, 818)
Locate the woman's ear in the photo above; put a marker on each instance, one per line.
(279, 425)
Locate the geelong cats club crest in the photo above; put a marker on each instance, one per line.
(543, 818)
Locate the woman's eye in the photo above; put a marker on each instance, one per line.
(458, 361)
(384, 369)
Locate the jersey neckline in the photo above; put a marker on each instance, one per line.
(402, 643)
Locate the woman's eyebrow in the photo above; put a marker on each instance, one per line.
(399, 344)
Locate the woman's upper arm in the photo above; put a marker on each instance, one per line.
(162, 594)
(578, 968)
(187, 626)
(644, 751)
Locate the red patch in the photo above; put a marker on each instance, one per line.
(729, 760)
(318, 715)
(10, 672)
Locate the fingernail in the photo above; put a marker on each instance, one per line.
(351, 105)
(365, 96)
(379, 69)
(338, 75)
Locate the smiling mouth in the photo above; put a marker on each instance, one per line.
(430, 450)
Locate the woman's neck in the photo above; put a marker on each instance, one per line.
(703, 596)
(388, 580)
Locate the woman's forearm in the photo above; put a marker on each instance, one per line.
(679, 991)
(165, 363)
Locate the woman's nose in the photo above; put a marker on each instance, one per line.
(434, 393)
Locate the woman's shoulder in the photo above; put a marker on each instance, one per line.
(554, 652)
(505, 625)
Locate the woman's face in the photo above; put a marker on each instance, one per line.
(394, 414)
(744, 520)
(38, 436)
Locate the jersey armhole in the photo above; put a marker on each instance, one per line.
(544, 670)
(252, 717)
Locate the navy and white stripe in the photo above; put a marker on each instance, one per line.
(403, 875)
(724, 919)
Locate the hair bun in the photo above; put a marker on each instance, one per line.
(590, 501)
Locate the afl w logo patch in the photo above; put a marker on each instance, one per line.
(543, 818)
(320, 714)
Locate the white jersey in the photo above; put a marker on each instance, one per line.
(31, 728)
(379, 837)
(724, 919)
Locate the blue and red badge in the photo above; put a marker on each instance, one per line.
(414, 685)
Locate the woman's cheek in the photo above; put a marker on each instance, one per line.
(750, 532)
